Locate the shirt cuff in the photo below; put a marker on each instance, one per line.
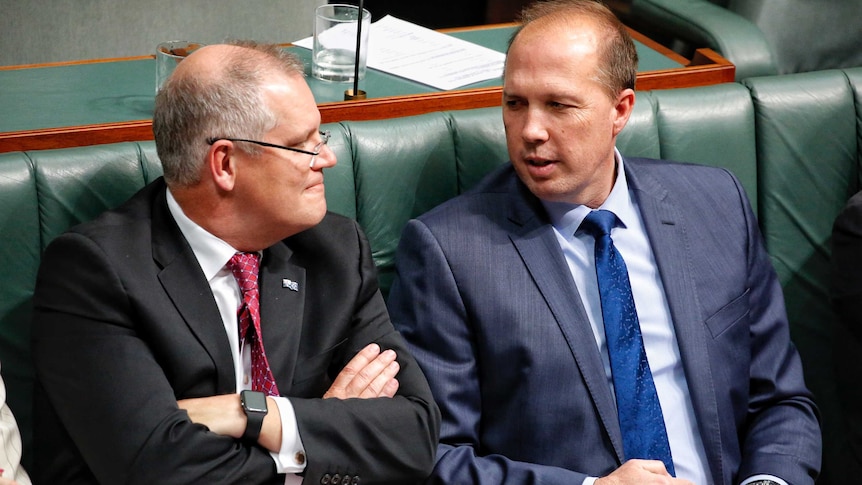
(589, 480)
(291, 479)
(763, 477)
(291, 458)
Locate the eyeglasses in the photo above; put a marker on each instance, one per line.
(324, 139)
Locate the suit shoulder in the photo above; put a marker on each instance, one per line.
(125, 221)
(849, 220)
(333, 230)
(685, 176)
(486, 197)
(661, 165)
(334, 222)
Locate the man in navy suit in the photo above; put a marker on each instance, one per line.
(497, 293)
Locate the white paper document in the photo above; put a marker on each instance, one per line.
(426, 56)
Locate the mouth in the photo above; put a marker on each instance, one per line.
(315, 184)
(539, 167)
(537, 162)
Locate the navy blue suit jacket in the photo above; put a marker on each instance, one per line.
(486, 301)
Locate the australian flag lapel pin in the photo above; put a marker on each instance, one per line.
(290, 284)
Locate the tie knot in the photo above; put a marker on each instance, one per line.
(244, 267)
(599, 223)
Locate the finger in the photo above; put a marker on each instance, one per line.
(654, 466)
(379, 384)
(369, 373)
(391, 388)
(354, 367)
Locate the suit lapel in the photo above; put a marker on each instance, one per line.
(282, 298)
(537, 245)
(182, 279)
(668, 238)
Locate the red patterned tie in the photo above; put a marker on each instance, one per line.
(244, 267)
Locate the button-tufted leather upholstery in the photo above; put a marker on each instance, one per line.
(760, 37)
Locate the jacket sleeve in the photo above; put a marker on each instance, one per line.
(781, 433)
(428, 310)
(378, 440)
(107, 388)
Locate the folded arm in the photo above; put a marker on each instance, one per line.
(109, 379)
(368, 375)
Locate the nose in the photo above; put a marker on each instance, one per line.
(533, 129)
(325, 159)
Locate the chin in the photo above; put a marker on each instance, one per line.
(312, 217)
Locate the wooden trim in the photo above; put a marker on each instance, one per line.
(706, 67)
(399, 106)
(75, 63)
(478, 27)
(661, 49)
(76, 136)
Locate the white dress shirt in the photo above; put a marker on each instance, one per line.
(213, 254)
(10, 443)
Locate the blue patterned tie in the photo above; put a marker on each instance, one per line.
(641, 420)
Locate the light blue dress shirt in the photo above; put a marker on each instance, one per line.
(632, 241)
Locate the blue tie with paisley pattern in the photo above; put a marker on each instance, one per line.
(640, 415)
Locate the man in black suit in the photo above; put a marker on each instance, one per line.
(147, 377)
(847, 265)
(846, 292)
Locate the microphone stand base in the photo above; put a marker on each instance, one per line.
(350, 96)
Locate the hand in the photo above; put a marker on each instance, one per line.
(371, 373)
(221, 414)
(638, 472)
(6, 481)
(224, 415)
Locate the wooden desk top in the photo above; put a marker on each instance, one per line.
(105, 101)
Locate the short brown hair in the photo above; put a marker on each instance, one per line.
(618, 58)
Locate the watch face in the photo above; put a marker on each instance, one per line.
(254, 402)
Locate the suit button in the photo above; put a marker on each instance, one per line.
(345, 480)
(355, 480)
(336, 479)
(325, 479)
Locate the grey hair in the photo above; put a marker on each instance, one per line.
(618, 61)
(189, 109)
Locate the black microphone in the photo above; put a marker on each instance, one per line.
(356, 93)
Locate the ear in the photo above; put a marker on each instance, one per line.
(623, 109)
(221, 164)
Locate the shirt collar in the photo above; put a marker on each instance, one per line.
(566, 217)
(211, 252)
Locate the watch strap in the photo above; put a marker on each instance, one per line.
(254, 418)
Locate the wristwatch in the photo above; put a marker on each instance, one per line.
(254, 406)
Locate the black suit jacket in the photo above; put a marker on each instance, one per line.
(847, 301)
(125, 325)
(847, 264)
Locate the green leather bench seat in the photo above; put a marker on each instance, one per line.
(760, 37)
(794, 142)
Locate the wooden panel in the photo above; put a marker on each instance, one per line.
(706, 67)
